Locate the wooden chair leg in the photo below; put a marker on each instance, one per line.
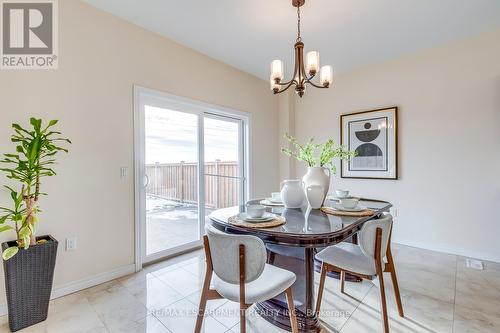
(380, 274)
(383, 303)
(342, 281)
(201, 311)
(321, 287)
(243, 323)
(395, 284)
(206, 287)
(291, 310)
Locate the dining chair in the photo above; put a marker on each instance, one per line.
(365, 260)
(240, 274)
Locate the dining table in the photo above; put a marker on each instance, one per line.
(293, 246)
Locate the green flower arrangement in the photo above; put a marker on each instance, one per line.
(316, 154)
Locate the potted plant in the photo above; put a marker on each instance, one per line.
(319, 159)
(29, 261)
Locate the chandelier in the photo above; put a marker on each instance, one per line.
(303, 73)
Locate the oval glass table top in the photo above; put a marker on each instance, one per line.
(303, 227)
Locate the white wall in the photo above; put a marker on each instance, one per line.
(101, 58)
(449, 141)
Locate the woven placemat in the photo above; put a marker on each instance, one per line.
(279, 220)
(333, 211)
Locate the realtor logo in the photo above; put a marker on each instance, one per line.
(29, 34)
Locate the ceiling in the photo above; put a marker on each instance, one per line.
(249, 34)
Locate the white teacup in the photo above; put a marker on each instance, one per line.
(349, 203)
(341, 193)
(256, 211)
(276, 197)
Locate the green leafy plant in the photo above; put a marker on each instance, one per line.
(315, 154)
(36, 149)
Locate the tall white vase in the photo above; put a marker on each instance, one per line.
(318, 176)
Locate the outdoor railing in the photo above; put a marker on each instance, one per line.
(179, 182)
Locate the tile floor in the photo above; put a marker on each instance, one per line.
(439, 294)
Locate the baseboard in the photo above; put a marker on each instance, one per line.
(82, 284)
(451, 250)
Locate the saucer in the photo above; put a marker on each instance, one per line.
(334, 198)
(265, 218)
(358, 208)
(274, 200)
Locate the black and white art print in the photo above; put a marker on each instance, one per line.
(373, 136)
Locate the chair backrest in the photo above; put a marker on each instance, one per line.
(368, 234)
(224, 250)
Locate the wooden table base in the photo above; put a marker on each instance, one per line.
(301, 262)
(276, 313)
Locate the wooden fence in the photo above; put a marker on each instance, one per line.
(179, 182)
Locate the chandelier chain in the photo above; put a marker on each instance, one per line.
(298, 24)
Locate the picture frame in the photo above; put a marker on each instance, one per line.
(373, 134)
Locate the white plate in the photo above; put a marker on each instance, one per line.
(274, 200)
(266, 218)
(267, 202)
(358, 208)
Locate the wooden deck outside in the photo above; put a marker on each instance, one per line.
(179, 182)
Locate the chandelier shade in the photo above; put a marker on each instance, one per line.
(304, 70)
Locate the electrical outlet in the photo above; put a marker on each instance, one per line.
(71, 244)
(474, 264)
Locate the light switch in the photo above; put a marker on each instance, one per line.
(71, 244)
(123, 173)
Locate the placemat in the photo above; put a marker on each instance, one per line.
(279, 220)
(266, 202)
(333, 211)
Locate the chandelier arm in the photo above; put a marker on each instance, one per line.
(286, 83)
(311, 77)
(293, 80)
(286, 88)
(315, 85)
(289, 85)
(303, 70)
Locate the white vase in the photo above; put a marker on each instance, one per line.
(292, 193)
(318, 176)
(315, 196)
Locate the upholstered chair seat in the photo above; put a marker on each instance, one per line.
(348, 257)
(269, 284)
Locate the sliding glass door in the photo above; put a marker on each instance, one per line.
(171, 170)
(190, 160)
(224, 167)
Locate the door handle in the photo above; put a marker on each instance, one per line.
(146, 181)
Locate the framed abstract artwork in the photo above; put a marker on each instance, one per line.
(373, 135)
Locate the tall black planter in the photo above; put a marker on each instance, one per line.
(28, 282)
